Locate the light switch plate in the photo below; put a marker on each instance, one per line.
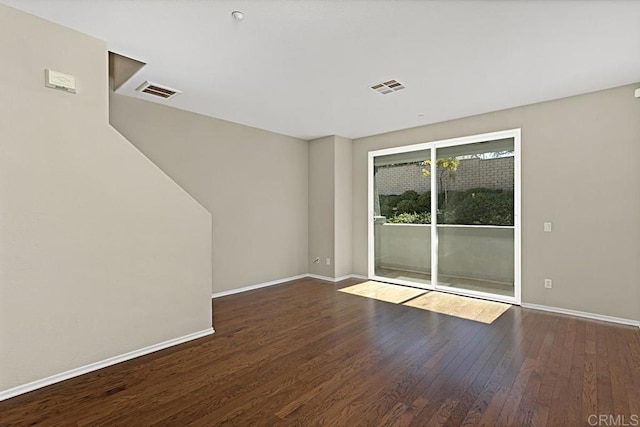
(60, 81)
(548, 227)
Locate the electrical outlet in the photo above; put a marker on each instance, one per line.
(548, 283)
(328, 261)
(317, 260)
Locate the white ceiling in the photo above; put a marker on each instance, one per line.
(303, 68)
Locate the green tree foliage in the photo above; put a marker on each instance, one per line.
(445, 165)
(446, 168)
(479, 206)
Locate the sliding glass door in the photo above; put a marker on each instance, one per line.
(475, 228)
(445, 215)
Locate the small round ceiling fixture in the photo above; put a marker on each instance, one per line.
(237, 15)
(421, 116)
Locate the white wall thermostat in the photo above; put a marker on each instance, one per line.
(60, 81)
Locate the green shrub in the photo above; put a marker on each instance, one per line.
(406, 206)
(411, 218)
(482, 206)
(410, 195)
(423, 204)
(388, 205)
(478, 206)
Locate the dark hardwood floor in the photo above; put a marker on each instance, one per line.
(303, 354)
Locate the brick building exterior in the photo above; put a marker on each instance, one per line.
(496, 174)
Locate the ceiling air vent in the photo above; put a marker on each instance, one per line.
(157, 90)
(388, 87)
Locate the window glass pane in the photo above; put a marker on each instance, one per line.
(475, 183)
(402, 206)
(476, 217)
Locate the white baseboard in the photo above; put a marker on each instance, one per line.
(336, 279)
(34, 385)
(593, 316)
(286, 279)
(258, 286)
(325, 278)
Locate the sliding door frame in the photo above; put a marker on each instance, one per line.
(434, 146)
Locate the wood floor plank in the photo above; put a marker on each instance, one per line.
(558, 415)
(527, 414)
(459, 306)
(472, 376)
(443, 413)
(573, 396)
(267, 392)
(383, 291)
(474, 414)
(618, 376)
(603, 378)
(396, 413)
(544, 398)
(337, 402)
(247, 360)
(302, 353)
(401, 385)
(589, 376)
(520, 348)
(625, 343)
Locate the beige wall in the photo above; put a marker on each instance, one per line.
(100, 252)
(121, 69)
(330, 206)
(343, 208)
(322, 205)
(592, 254)
(252, 181)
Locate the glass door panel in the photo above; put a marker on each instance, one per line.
(402, 217)
(475, 218)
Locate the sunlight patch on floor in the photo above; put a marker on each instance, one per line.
(384, 291)
(459, 306)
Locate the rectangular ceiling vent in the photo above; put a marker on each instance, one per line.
(157, 90)
(388, 87)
